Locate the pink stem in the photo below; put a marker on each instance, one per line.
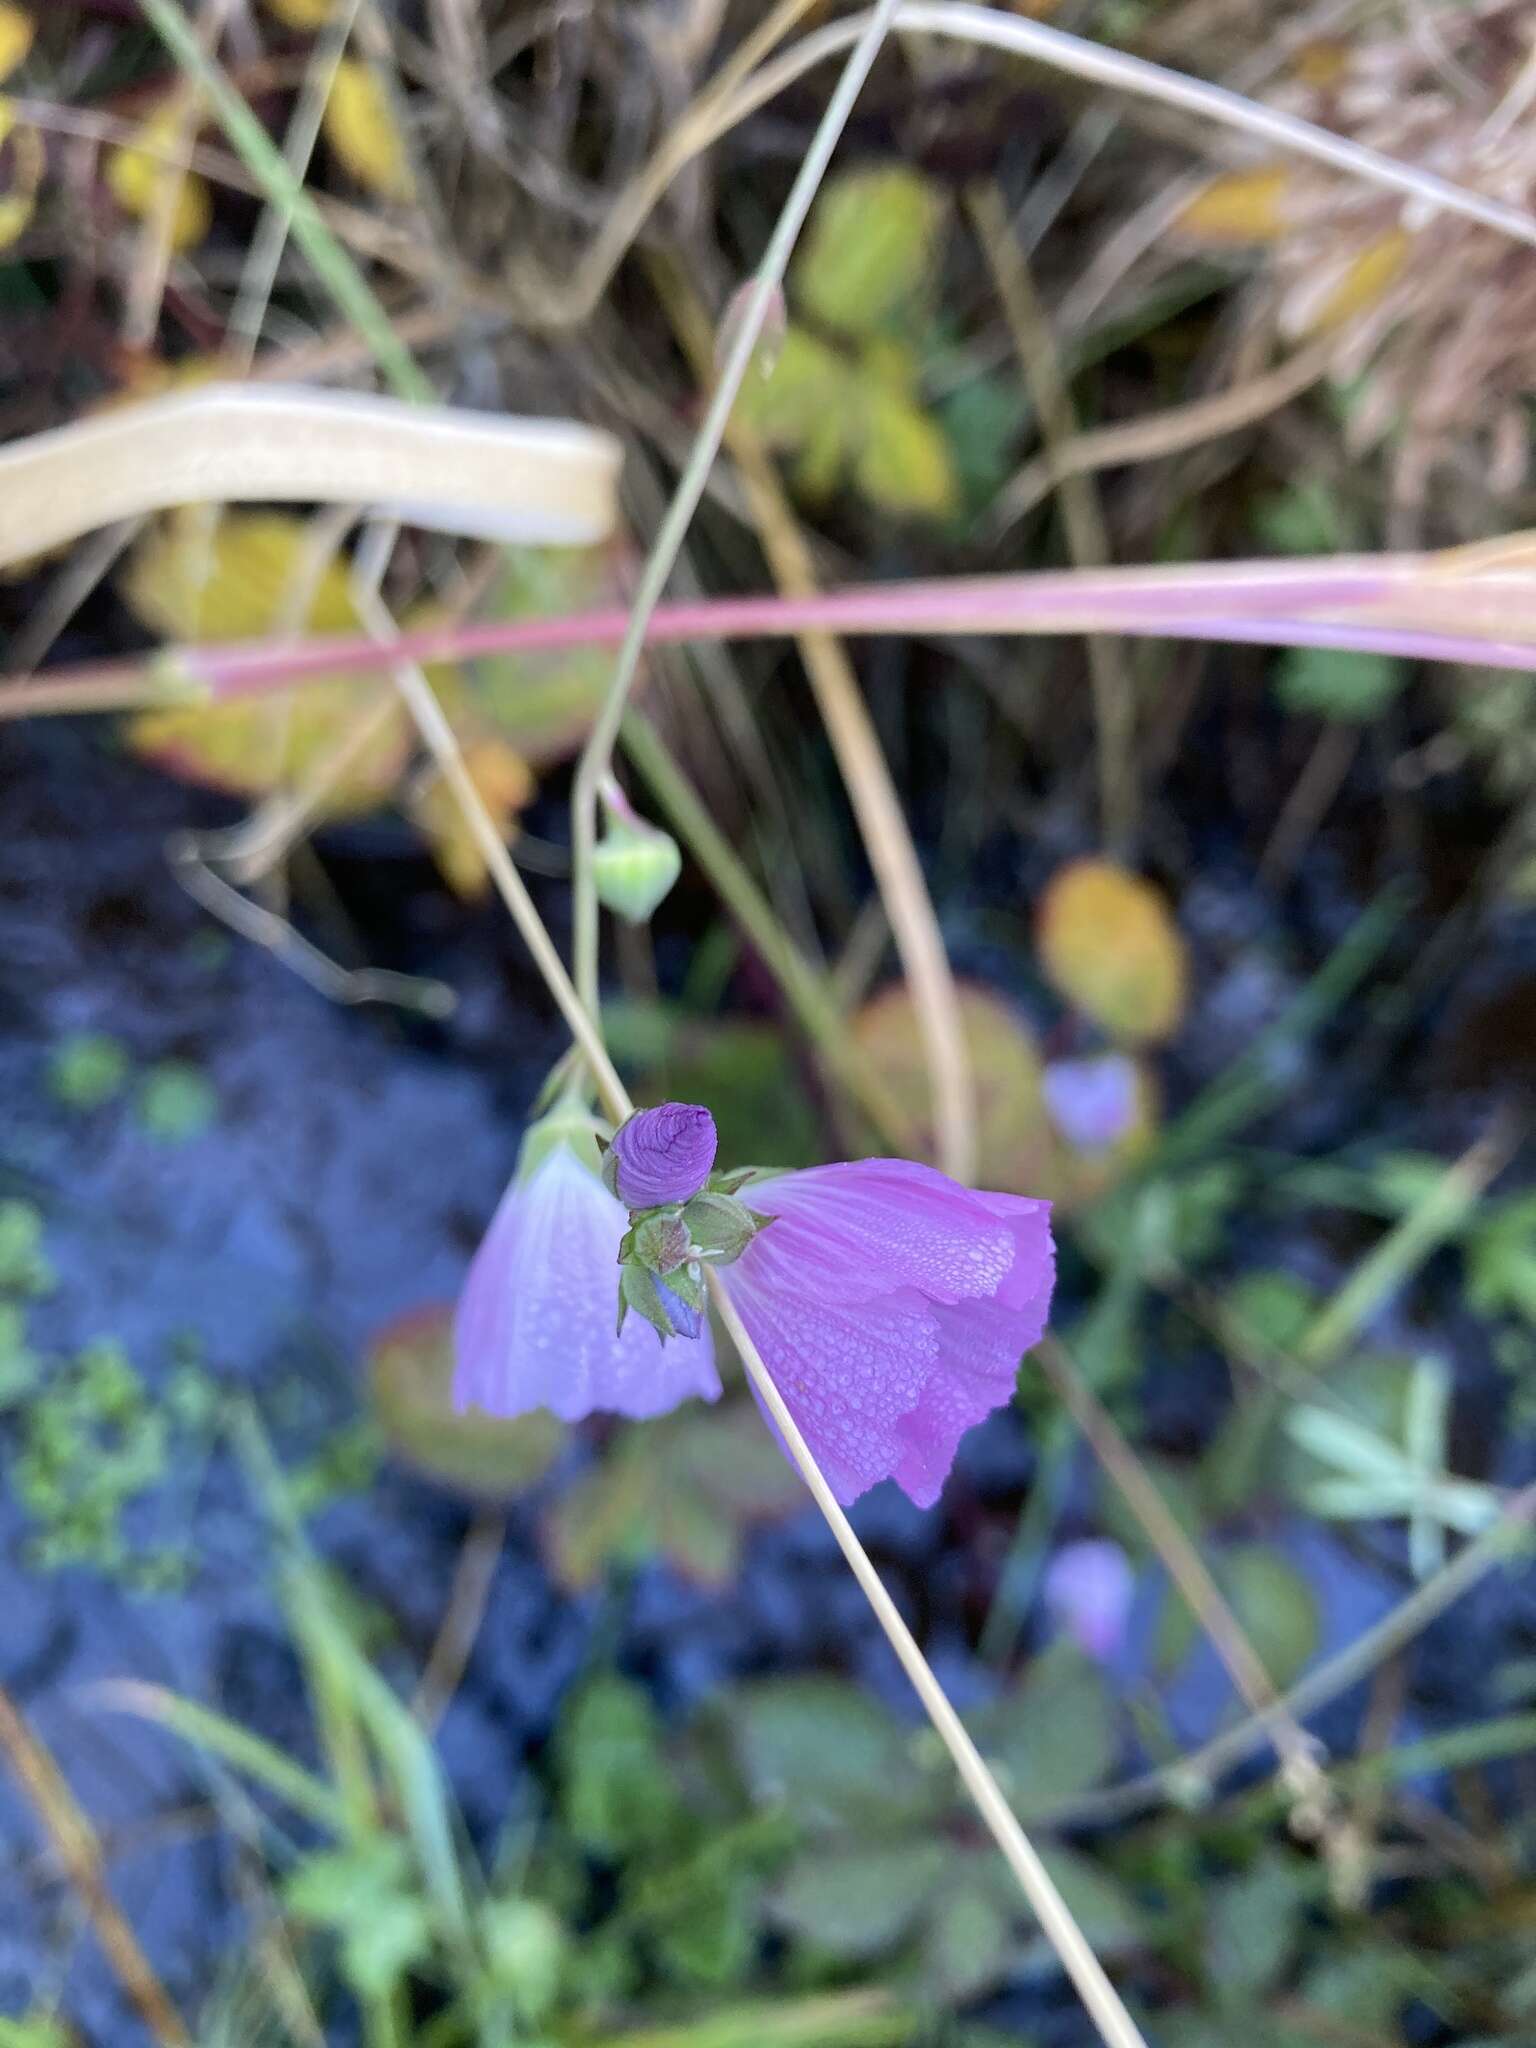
(1369, 603)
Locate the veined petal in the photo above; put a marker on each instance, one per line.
(535, 1326)
(862, 1229)
(848, 1376)
(891, 1307)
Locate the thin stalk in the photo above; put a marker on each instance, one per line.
(1375, 602)
(1082, 516)
(1099, 1996)
(335, 269)
(75, 1844)
(1077, 1958)
(597, 756)
(861, 763)
(1193, 1774)
(802, 985)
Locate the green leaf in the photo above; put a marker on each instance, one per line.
(410, 1380)
(1336, 683)
(1277, 1608)
(1102, 1907)
(1501, 1261)
(176, 1102)
(869, 249)
(969, 1943)
(829, 1754)
(1055, 1733)
(806, 398)
(855, 1903)
(904, 465)
(1254, 1925)
(685, 1488)
(617, 1789)
(543, 704)
(24, 1266)
(87, 1069)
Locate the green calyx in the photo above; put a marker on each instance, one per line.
(569, 1123)
(663, 1254)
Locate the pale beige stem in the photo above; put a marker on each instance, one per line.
(1099, 1996)
(502, 478)
(876, 806)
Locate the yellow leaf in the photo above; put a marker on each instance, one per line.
(1366, 280)
(16, 32)
(869, 249)
(1108, 944)
(302, 14)
(1322, 65)
(248, 574)
(137, 176)
(1244, 206)
(1016, 1141)
(505, 783)
(361, 127)
(904, 463)
(28, 162)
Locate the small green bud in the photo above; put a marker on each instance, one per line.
(634, 864)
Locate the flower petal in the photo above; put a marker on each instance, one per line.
(872, 1225)
(535, 1326)
(891, 1307)
(848, 1376)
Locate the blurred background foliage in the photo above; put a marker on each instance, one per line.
(387, 1726)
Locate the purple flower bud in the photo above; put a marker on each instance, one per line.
(663, 1155)
(1092, 1102)
(1088, 1588)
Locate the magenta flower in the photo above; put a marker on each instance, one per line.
(891, 1307)
(1089, 1587)
(661, 1156)
(535, 1324)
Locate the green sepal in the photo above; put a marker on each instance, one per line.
(660, 1241)
(637, 1291)
(568, 1123)
(720, 1226)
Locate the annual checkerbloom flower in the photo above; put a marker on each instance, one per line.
(536, 1324)
(889, 1304)
(891, 1307)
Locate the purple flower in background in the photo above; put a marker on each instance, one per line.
(1092, 1102)
(535, 1324)
(891, 1307)
(661, 1156)
(1088, 1588)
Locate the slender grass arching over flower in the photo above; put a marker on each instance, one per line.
(890, 1305)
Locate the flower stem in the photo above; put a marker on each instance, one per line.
(1077, 1958)
(597, 755)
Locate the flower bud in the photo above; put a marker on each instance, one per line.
(661, 1157)
(634, 864)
